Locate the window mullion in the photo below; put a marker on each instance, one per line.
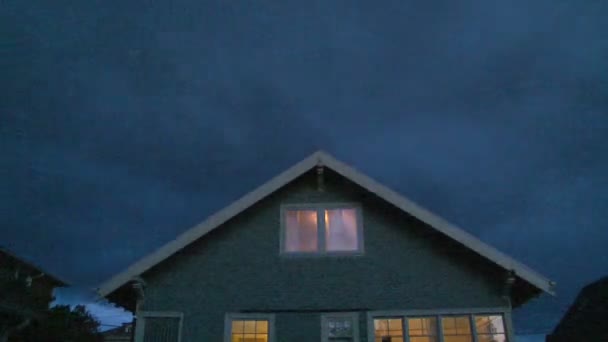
(439, 328)
(406, 330)
(321, 230)
(473, 327)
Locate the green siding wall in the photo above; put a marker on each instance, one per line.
(237, 268)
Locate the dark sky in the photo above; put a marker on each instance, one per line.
(123, 123)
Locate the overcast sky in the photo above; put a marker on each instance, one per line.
(124, 123)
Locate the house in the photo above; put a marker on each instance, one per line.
(123, 333)
(322, 252)
(27, 292)
(585, 320)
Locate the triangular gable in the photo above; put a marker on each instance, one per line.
(326, 160)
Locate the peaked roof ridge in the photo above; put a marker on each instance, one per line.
(321, 157)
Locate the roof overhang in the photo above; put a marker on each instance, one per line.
(322, 158)
(58, 282)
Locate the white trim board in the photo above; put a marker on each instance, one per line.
(326, 160)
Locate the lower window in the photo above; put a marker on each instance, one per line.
(456, 329)
(158, 326)
(422, 329)
(490, 328)
(249, 328)
(452, 328)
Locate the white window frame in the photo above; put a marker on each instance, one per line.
(248, 316)
(325, 320)
(438, 313)
(321, 250)
(140, 324)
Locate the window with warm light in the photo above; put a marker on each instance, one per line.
(322, 228)
(249, 328)
(490, 328)
(456, 329)
(422, 329)
(388, 330)
(249, 331)
(301, 231)
(453, 327)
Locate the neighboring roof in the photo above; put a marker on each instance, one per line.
(326, 160)
(10, 254)
(586, 318)
(121, 333)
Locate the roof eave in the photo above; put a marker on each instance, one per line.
(322, 158)
(56, 280)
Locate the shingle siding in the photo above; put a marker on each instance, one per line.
(237, 268)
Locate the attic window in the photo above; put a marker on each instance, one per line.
(322, 228)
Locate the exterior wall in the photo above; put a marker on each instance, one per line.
(237, 268)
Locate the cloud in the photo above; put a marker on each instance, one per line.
(122, 130)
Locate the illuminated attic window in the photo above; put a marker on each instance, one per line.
(321, 229)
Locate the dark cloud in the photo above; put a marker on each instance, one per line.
(122, 125)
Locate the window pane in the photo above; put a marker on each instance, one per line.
(261, 327)
(414, 324)
(423, 339)
(238, 327)
(301, 231)
(249, 331)
(463, 325)
(340, 327)
(249, 338)
(456, 329)
(460, 338)
(250, 327)
(261, 338)
(389, 329)
(389, 338)
(381, 326)
(456, 325)
(422, 326)
(341, 229)
(395, 324)
(491, 324)
(492, 338)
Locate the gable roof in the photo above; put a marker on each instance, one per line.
(54, 279)
(326, 160)
(586, 317)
